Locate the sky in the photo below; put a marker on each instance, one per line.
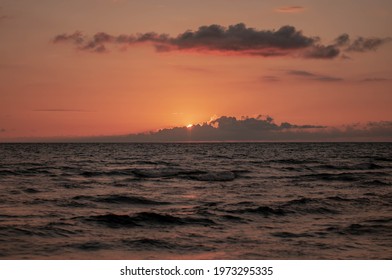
(98, 68)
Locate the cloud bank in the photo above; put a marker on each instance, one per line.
(261, 128)
(235, 39)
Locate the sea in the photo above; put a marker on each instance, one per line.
(196, 201)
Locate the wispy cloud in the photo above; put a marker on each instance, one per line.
(269, 78)
(192, 69)
(3, 16)
(290, 9)
(59, 110)
(313, 76)
(300, 73)
(235, 39)
(375, 79)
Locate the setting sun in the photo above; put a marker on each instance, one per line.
(231, 134)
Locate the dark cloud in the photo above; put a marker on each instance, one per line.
(98, 41)
(290, 9)
(342, 40)
(2, 130)
(367, 44)
(240, 38)
(313, 76)
(77, 38)
(235, 39)
(381, 131)
(360, 44)
(322, 52)
(259, 123)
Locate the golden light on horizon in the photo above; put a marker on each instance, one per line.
(59, 82)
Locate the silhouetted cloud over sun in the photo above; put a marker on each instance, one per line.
(260, 128)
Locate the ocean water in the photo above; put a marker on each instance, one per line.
(196, 201)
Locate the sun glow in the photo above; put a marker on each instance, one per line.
(189, 125)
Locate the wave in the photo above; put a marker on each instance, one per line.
(375, 182)
(359, 166)
(8, 173)
(380, 221)
(156, 173)
(73, 204)
(286, 234)
(90, 246)
(119, 172)
(306, 201)
(301, 201)
(305, 205)
(338, 198)
(157, 244)
(146, 218)
(344, 176)
(121, 199)
(326, 200)
(113, 220)
(362, 229)
(31, 190)
(26, 172)
(294, 161)
(148, 243)
(263, 210)
(301, 206)
(158, 162)
(129, 199)
(232, 218)
(40, 231)
(385, 159)
(221, 176)
(71, 185)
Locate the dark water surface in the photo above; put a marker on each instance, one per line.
(196, 201)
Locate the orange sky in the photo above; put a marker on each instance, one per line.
(58, 89)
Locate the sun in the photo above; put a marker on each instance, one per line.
(189, 125)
